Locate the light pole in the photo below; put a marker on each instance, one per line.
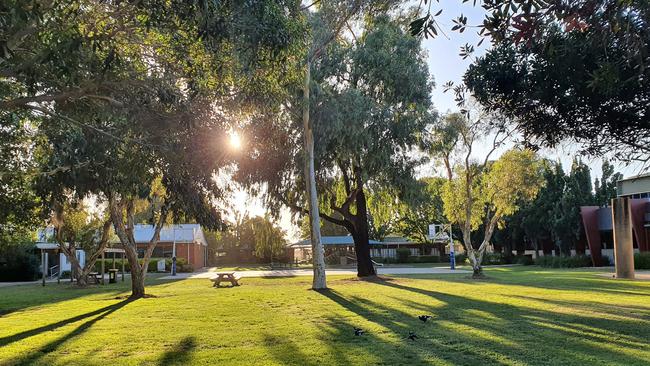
(452, 258)
(174, 251)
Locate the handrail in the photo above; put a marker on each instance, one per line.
(52, 273)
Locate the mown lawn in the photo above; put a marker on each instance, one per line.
(519, 316)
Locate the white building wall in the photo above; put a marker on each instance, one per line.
(66, 265)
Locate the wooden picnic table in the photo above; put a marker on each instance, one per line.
(96, 277)
(225, 277)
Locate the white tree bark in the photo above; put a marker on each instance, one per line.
(318, 257)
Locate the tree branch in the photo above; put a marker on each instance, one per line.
(313, 55)
(164, 211)
(304, 211)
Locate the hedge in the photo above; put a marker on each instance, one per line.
(564, 261)
(642, 260)
(181, 265)
(19, 263)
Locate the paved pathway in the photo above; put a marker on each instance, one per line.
(308, 272)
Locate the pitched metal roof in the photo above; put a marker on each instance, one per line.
(180, 233)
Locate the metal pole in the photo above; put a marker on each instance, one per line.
(58, 273)
(103, 268)
(44, 265)
(174, 254)
(452, 258)
(123, 267)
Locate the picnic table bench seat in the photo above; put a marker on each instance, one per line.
(225, 277)
(95, 276)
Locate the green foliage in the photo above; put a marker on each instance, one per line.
(494, 258)
(566, 214)
(456, 201)
(259, 235)
(605, 188)
(270, 244)
(18, 263)
(459, 258)
(427, 259)
(576, 261)
(642, 260)
(152, 267)
(370, 100)
(579, 64)
(538, 218)
(524, 260)
(19, 204)
(427, 208)
(403, 255)
(513, 179)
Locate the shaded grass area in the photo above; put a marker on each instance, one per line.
(518, 316)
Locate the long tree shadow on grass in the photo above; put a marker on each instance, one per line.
(50, 347)
(526, 335)
(46, 328)
(562, 280)
(388, 333)
(16, 298)
(180, 353)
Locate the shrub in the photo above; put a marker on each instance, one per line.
(152, 266)
(19, 263)
(564, 262)
(403, 255)
(524, 260)
(185, 268)
(642, 260)
(460, 258)
(428, 259)
(493, 258)
(545, 261)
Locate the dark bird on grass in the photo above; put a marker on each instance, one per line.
(358, 331)
(412, 336)
(424, 318)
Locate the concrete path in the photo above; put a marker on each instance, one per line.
(308, 272)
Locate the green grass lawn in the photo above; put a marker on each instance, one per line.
(519, 316)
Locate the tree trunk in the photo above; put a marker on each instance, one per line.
(137, 283)
(80, 273)
(475, 259)
(361, 239)
(138, 272)
(319, 280)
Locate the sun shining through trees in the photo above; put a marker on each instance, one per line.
(310, 151)
(235, 141)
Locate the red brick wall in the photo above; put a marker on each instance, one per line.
(196, 252)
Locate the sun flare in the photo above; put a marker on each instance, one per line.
(235, 141)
